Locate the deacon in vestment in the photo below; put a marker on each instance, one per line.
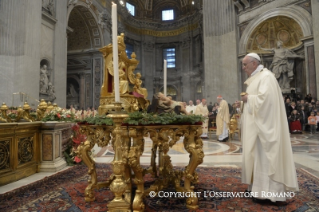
(201, 109)
(222, 120)
(268, 164)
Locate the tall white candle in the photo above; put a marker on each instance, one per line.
(115, 53)
(165, 78)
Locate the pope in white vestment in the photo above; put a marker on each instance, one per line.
(268, 164)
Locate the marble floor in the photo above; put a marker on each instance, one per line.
(305, 151)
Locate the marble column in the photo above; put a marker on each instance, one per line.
(60, 52)
(315, 24)
(220, 51)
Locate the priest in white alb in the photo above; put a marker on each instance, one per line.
(222, 120)
(201, 109)
(268, 165)
(191, 108)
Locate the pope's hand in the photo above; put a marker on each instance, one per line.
(244, 98)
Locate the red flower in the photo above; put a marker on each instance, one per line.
(58, 115)
(76, 140)
(77, 159)
(76, 127)
(68, 116)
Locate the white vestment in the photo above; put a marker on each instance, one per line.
(268, 163)
(222, 120)
(191, 109)
(202, 110)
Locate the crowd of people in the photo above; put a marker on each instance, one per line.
(302, 113)
(218, 115)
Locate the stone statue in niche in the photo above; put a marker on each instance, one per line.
(72, 95)
(44, 79)
(47, 91)
(72, 92)
(282, 65)
(51, 91)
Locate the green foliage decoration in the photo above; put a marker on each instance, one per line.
(96, 120)
(143, 118)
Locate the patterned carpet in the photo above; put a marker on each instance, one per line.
(65, 192)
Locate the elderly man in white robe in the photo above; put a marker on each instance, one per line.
(201, 109)
(268, 165)
(191, 107)
(222, 120)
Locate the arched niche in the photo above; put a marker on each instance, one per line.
(279, 28)
(44, 62)
(86, 33)
(296, 13)
(84, 58)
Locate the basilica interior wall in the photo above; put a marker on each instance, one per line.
(20, 51)
(210, 45)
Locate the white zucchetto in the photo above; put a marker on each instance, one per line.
(254, 55)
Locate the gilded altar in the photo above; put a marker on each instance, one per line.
(128, 142)
(127, 169)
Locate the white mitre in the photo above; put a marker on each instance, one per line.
(254, 55)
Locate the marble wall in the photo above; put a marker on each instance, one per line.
(20, 50)
(30, 34)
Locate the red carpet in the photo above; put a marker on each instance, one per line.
(64, 192)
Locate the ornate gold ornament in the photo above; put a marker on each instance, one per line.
(4, 117)
(132, 100)
(127, 159)
(233, 126)
(42, 107)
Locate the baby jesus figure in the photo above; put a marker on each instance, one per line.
(168, 102)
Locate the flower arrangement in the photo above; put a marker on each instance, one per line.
(58, 114)
(76, 139)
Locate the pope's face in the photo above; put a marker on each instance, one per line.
(248, 65)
